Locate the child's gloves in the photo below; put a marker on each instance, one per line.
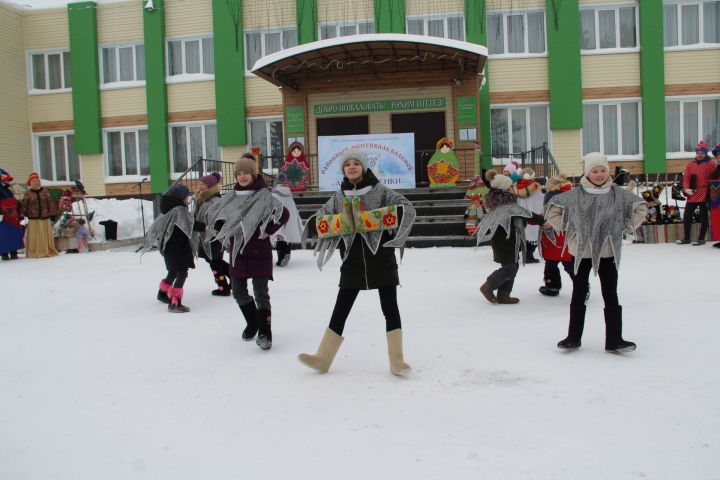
(689, 191)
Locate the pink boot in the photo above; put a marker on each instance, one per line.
(176, 305)
(164, 292)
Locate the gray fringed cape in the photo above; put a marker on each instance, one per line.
(162, 228)
(207, 210)
(501, 217)
(379, 196)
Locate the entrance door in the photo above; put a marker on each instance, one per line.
(357, 125)
(428, 127)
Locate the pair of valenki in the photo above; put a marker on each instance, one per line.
(354, 217)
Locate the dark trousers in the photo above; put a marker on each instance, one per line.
(690, 208)
(346, 298)
(261, 291)
(608, 282)
(177, 278)
(503, 278)
(552, 273)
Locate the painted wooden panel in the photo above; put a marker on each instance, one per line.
(344, 11)
(619, 70)
(567, 152)
(191, 96)
(119, 22)
(692, 66)
(123, 102)
(423, 7)
(188, 17)
(261, 92)
(46, 29)
(259, 14)
(50, 107)
(518, 74)
(93, 173)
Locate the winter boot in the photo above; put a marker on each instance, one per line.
(163, 292)
(575, 329)
(220, 271)
(264, 338)
(530, 252)
(249, 311)
(504, 297)
(323, 358)
(283, 251)
(550, 292)
(395, 353)
(487, 291)
(5, 256)
(683, 241)
(176, 305)
(614, 342)
(13, 255)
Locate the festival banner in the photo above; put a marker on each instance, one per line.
(391, 157)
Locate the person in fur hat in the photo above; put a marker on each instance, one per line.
(367, 220)
(42, 211)
(553, 245)
(530, 197)
(504, 226)
(171, 233)
(696, 181)
(207, 198)
(243, 223)
(594, 217)
(11, 232)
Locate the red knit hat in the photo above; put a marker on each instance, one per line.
(32, 176)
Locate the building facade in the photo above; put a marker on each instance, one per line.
(131, 93)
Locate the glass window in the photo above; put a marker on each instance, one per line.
(191, 143)
(608, 28)
(344, 29)
(611, 128)
(50, 70)
(516, 33)
(267, 134)
(518, 129)
(437, 25)
(692, 23)
(123, 63)
(688, 121)
(56, 158)
(190, 56)
(127, 152)
(259, 44)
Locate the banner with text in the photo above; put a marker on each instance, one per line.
(380, 106)
(391, 157)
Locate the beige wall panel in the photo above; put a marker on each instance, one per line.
(119, 22)
(591, 2)
(495, 5)
(379, 122)
(344, 11)
(261, 92)
(232, 153)
(682, 67)
(93, 174)
(46, 29)
(618, 70)
(520, 74)
(566, 149)
(14, 119)
(188, 17)
(50, 107)
(122, 102)
(425, 7)
(183, 97)
(259, 14)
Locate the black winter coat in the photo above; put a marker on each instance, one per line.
(178, 252)
(361, 269)
(504, 250)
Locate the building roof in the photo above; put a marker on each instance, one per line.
(370, 54)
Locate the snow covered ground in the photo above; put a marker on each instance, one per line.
(100, 382)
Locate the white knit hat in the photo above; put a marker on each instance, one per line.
(498, 180)
(595, 159)
(358, 155)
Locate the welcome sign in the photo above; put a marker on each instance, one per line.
(380, 106)
(391, 157)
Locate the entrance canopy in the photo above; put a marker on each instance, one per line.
(374, 55)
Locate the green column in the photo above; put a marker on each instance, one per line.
(156, 94)
(82, 24)
(565, 77)
(306, 11)
(389, 16)
(228, 44)
(652, 81)
(476, 32)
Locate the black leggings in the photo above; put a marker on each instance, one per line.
(608, 282)
(176, 279)
(688, 215)
(346, 298)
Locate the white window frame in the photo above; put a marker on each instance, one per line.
(120, 83)
(505, 14)
(187, 77)
(687, 99)
(267, 119)
(350, 23)
(202, 123)
(124, 178)
(498, 160)
(36, 156)
(701, 45)
(445, 17)
(263, 33)
(616, 102)
(30, 71)
(596, 8)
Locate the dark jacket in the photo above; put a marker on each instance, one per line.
(504, 250)
(256, 259)
(178, 252)
(362, 269)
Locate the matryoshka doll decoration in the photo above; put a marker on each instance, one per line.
(443, 168)
(295, 170)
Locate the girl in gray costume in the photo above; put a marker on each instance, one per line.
(594, 217)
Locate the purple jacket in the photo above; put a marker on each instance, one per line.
(256, 260)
